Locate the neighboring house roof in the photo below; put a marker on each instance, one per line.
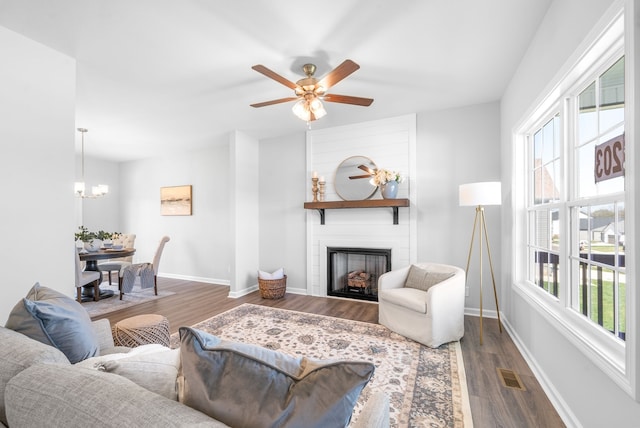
(548, 191)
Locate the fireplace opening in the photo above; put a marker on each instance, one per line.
(354, 272)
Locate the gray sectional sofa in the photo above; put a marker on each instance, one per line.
(39, 387)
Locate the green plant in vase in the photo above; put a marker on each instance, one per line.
(106, 237)
(94, 240)
(87, 238)
(84, 235)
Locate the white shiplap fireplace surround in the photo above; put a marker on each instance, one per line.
(391, 144)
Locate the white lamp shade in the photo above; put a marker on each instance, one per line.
(483, 193)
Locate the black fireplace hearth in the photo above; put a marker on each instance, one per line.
(354, 272)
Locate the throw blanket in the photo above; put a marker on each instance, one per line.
(142, 270)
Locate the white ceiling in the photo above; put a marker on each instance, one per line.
(156, 76)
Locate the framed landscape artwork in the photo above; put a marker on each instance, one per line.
(175, 200)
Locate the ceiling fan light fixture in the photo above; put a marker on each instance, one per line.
(311, 92)
(317, 108)
(301, 110)
(304, 109)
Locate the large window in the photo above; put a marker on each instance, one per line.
(575, 218)
(597, 209)
(572, 192)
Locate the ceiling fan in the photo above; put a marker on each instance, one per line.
(310, 92)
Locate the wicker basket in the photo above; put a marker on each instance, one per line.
(272, 288)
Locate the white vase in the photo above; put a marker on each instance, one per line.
(93, 245)
(389, 190)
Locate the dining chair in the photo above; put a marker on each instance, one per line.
(84, 277)
(114, 265)
(144, 274)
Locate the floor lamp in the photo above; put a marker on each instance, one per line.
(479, 195)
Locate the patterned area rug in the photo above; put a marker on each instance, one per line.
(426, 387)
(114, 303)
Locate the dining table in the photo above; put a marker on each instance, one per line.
(91, 258)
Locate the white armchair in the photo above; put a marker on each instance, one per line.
(433, 317)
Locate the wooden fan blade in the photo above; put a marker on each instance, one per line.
(366, 169)
(346, 99)
(278, 101)
(353, 177)
(338, 73)
(275, 76)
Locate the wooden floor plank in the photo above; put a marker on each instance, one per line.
(492, 404)
(495, 404)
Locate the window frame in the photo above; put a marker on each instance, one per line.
(531, 206)
(591, 74)
(615, 358)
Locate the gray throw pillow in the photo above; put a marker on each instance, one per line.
(245, 385)
(55, 319)
(156, 371)
(423, 279)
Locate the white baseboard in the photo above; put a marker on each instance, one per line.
(244, 292)
(302, 291)
(236, 294)
(194, 278)
(475, 312)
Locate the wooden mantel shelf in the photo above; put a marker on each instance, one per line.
(366, 203)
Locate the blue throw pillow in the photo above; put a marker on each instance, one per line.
(55, 319)
(245, 385)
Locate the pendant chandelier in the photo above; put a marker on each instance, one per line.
(79, 187)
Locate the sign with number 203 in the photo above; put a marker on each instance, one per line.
(609, 159)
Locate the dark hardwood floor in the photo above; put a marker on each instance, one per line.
(492, 403)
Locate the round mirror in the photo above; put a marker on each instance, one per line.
(353, 176)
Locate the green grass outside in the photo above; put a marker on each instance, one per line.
(607, 293)
(608, 304)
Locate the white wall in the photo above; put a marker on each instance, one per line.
(244, 211)
(37, 101)
(455, 147)
(282, 218)
(587, 397)
(200, 243)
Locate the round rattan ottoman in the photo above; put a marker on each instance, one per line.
(141, 330)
